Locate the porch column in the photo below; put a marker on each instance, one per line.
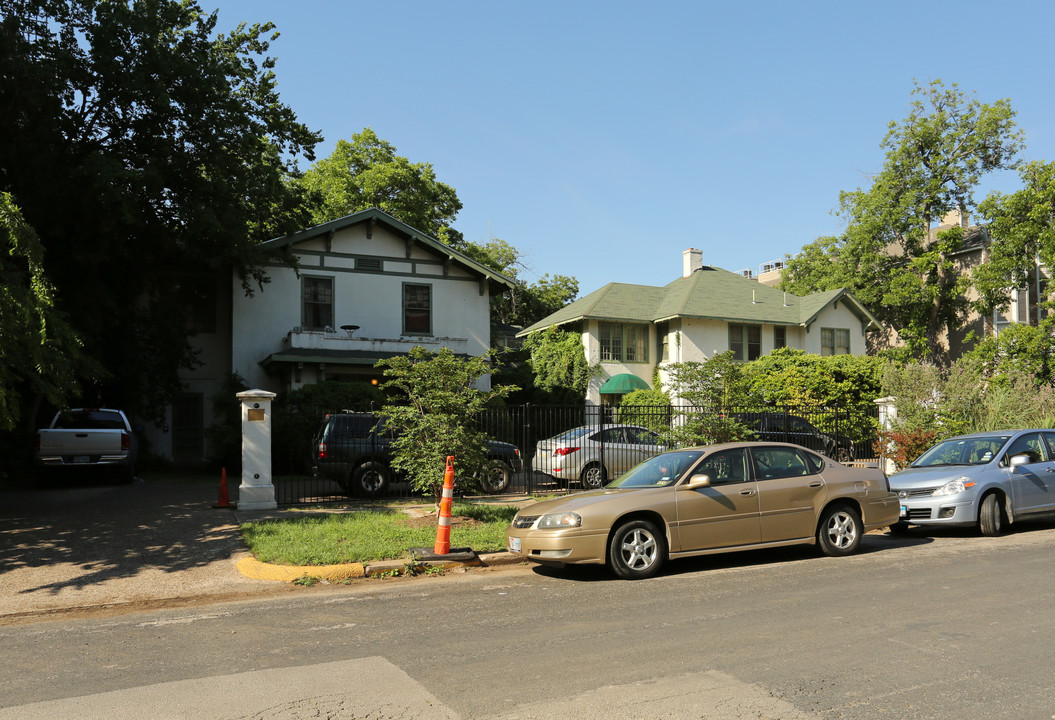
(256, 491)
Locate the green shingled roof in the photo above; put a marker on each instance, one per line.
(709, 293)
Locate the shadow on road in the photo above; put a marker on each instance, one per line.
(871, 543)
(108, 531)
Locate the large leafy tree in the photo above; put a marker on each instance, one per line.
(366, 172)
(888, 256)
(1022, 228)
(145, 149)
(40, 354)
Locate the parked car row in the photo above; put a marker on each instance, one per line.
(745, 496)
(592, 455)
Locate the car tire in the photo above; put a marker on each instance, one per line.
(636, 550)
(593, 476)
(991, 516)
(498, 477)
(839, 532)
(843, 455)
(899, 528)
(371, 479)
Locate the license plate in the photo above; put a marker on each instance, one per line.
(81, 458)
(904, 511)
(514, 544)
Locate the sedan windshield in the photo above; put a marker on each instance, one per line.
(963, 451)
(658, 471)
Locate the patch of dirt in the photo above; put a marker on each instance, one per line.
(420, 521)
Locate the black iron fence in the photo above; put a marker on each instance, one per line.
(325, 455)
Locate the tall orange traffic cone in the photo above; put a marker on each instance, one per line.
(224, 501)
(443, 532)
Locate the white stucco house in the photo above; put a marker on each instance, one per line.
(369, 287)
(631, 330)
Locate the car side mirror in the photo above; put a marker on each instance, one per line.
(1017, 460)
(697, 481)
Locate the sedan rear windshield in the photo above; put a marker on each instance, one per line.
(963, 451)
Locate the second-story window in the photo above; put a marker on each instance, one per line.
(318, 303)
(417, 309)
(623, 343)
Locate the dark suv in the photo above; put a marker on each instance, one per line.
(781, 427)
(355, 451)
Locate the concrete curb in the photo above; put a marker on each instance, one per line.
(256, 570)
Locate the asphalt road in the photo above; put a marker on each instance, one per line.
(949, 626)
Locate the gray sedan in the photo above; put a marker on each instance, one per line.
(986, 479)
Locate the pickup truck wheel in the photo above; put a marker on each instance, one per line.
(371, 479)
(497, 478)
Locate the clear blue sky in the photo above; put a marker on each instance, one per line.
(603, 138)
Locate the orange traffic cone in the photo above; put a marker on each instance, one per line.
(443, 532)
(224, 501)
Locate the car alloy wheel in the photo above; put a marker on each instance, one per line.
(637, 550)
(840, 531)
(593, 476)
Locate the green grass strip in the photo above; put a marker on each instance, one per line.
(369, 535)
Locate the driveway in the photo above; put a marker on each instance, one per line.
(153, 542)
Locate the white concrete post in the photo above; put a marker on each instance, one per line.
(256, 491)
(887, 416)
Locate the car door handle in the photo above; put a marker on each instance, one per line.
(816, 484)
(747, 493)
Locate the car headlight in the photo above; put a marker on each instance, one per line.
(559, 520)
(954, 487)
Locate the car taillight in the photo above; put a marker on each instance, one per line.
(564, 451)
(126, 442)
(322, 451)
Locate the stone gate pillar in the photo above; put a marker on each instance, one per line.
(256, 491)
(887, 420)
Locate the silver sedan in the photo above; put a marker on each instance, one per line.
(987, 479)
(593, 455)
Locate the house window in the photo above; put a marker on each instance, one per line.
(623, 343)
(417, 309)
(663, 341)
(318, 303)
(835, 341)
(745, 341)
(780, 337)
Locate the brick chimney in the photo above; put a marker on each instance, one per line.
(691, 261)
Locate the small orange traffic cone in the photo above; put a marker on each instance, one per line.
(224, 501)
(443, 532)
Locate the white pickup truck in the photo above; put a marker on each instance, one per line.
(87, 438)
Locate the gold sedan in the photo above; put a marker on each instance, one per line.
(698, 501)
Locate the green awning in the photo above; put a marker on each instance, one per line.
(623, 383)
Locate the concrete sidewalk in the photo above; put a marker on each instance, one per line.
(155, 542)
